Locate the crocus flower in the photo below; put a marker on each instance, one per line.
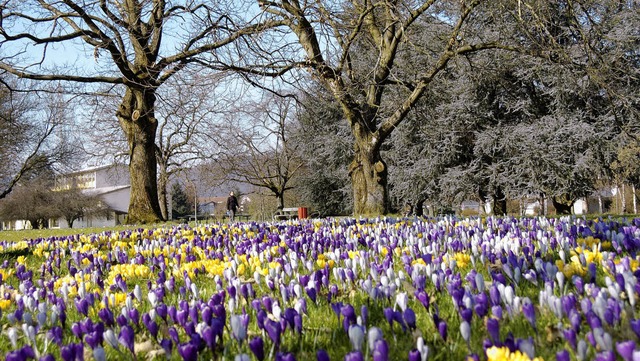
(388, 314)
(188, 352)
(563, 355)
(442, 329)
(625, 349)
(356, 336)
(493, 328)
(99, 354)
(410, 318)
(257, 347)
(635, 326)
(242, 357)
(312, 293)
(423, 297)
(380, 350)
(126, 337)
(321, 355)
(209, 337)
(106, 316)
(465, 331)
(110, 338)
(354, 356)
(72, 352)
(414, 355)
(529, 313)
(22, 354)
(238, 330)
(274, 330)
(49, 357)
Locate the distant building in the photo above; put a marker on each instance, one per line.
(111, 183)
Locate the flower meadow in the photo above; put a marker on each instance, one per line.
(332, 289)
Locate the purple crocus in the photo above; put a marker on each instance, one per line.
(209, 337)
(354, 356)
(380, 350)
(493, 328)
(423, 297)
(388, 314)
(625, 349)
(188, 352)
(274, 330)
(410, 318)
(442, 329)
(106, 316)
(349, 314)
(635, 326)
(257, 347)
(322, 355)
(82, 306)
(606, 355)
(22, 354)
(529, 313)
(72, 352)
(414, 355)
(126, 337)
(285, 356)
(312, 293)
(563, 355)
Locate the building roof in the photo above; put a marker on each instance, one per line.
(104, 190)
(95, 168)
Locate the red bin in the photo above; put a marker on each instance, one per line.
(302, 212)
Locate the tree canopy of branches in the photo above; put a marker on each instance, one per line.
(137, 46)
(255, 146)
(327, 148)
(497, 124)
(29, 136)
(352, 48)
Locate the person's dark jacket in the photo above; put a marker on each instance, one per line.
(232, 203)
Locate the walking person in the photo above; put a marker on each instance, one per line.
(232, 206)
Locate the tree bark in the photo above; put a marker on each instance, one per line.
(623, 199)
(499, 203)
(137, 119)
(163, 181)
(635, 200)
(562, 206)
(368, 174)
(419, 212)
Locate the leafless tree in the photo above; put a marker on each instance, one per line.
(190, 109)
(137, 45)
(72, 204)
(255, 146)
(33, 135)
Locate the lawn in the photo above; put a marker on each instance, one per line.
(338, 289)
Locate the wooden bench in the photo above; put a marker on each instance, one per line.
(285, 214)
(237, 216)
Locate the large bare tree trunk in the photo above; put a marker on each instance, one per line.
(623, 200)
(163, 181)
(136, 117)
(635, 200)
(368, 176)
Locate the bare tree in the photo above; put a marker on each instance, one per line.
(255, 146)
(145, 42)
(73, 204)
(187, 110)
(32, 135)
